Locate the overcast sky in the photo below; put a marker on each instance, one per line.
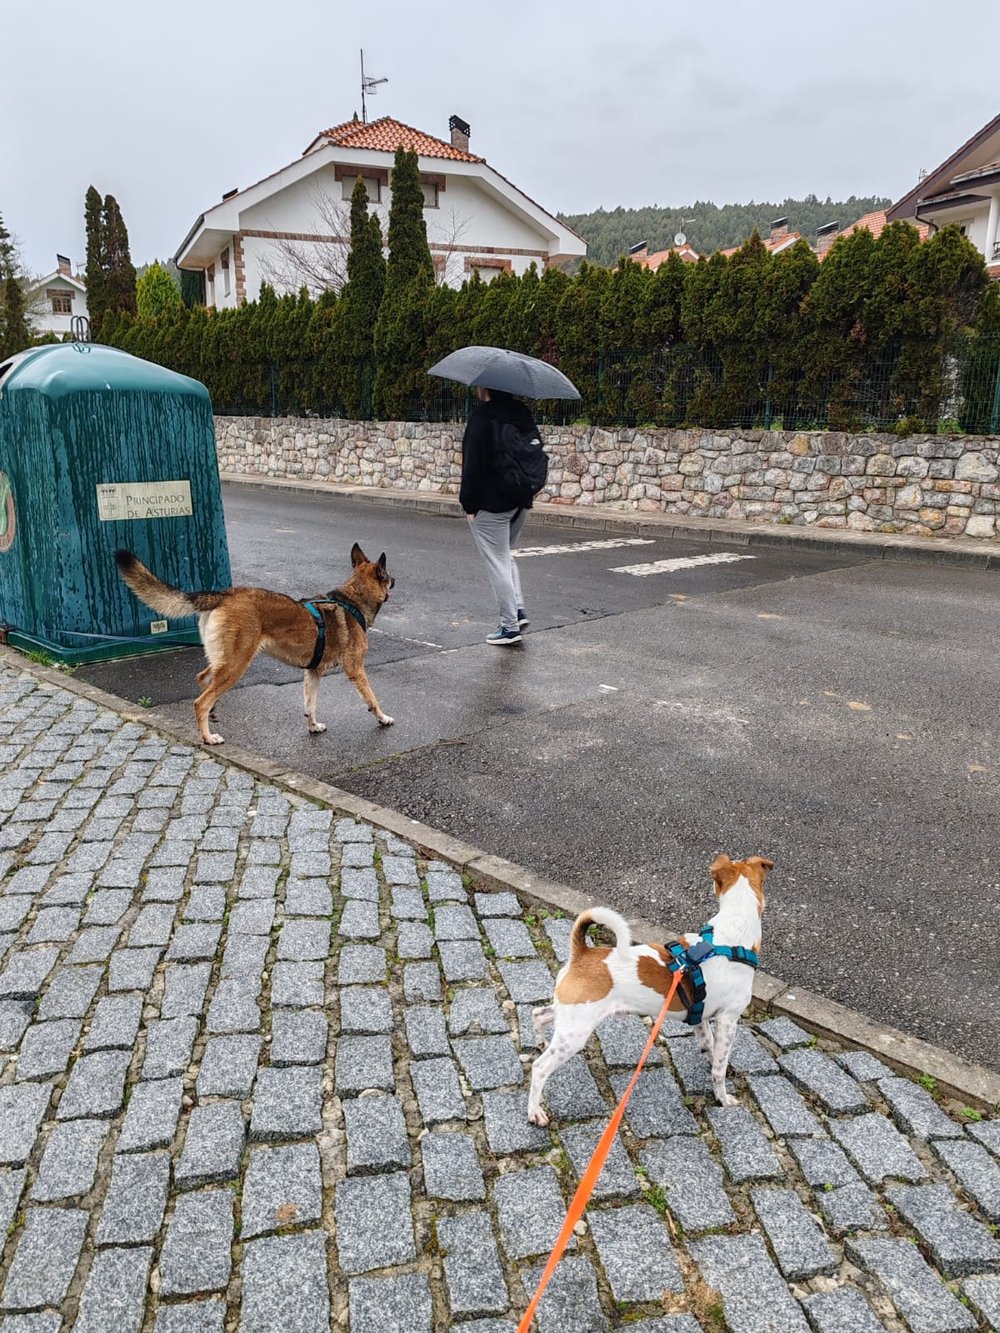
(166, 105)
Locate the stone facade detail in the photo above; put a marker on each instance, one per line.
(928, 485)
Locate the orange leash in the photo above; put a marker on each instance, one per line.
(594, 1167)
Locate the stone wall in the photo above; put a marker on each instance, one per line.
(927, 484)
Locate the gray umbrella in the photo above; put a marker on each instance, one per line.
(496, 368)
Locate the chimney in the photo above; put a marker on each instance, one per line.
(460, 132)
(825, 237)
(779, 229)
(64, 265)
(638, 252)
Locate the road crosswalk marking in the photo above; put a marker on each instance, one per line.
(682, 562)
(571, 548)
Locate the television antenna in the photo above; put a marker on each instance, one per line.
(369, 87)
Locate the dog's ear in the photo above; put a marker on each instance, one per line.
(381, 562)
(358, 556)
(717, 867)
(764, 862)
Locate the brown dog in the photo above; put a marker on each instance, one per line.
(237, 624)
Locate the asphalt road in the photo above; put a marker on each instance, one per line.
(834, 712)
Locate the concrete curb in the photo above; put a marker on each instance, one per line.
(964, 551)
(973, 1084)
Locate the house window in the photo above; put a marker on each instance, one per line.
(62, 302)
(372, 184)
(487, 269)
(430, 194)
(224, 261)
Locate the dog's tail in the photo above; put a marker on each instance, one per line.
(159, 595)
(598, 916)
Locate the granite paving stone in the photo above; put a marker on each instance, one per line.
(863, 1066)
(463, 960)
(151, 1118)
(205, 1316)
(983, 1293)
(298, 1037)
(254, 917)
(136, 1200)
(213, 1145)
(47, 1048)
(114, 1297)
(451, 1167)
(784, 1107)
(843, 1310)
(530, 1210)
(784, 1033)
(360, 883)
(152, 926)
(636, 1252)
(508, 1129)
(194, 942)
(285, 1285)
(877, 1149)
(52, 924)
(622, 1040)
(25, 971)
(558, 932)
(376, 1135)
(46, 1256)
(472, 1268)
(359, 921)
(987, 1132)
(822, 1162)
(234, 1007)
(392, 1305)
(915, 1289)
(408, 905)
(975, 1170)
(96, 1086)
(571, 1092)
(282, 1187)
(308, 897)
(11, 1188)
(297, 985)
(42, 1322)
(444, 885)
(115, 1023)
(814, 1070)
(527, 983)
(228, 1066)
(798, 1242)
(570, 1303)
(915, 1110)
(476, 1010)
(426, 1031)
(21, 1110)
(363, 1063)
(169, 1042)
(656, 1105)
(206, 903)
(847, 1208)
(357, 854)
(497, 904)
(692, 1067)
(69, 1163)
(617, 1178)
(14, 1016)
(748, 1056)
(959, 1245)
(244, 958)
(455, 922)
(438, 1092)
(746, 1153)
(374, 1224)
(196, 1254)
(108, 906)
(288, 1103)
(359, 963)
(366, 1009)
(94, 944)
(184, 989)
(421, 981)
(489, 1062)
(692, 1180)
(400, 870)
(754, 1296)
(132, 969)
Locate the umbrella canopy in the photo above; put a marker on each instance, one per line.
(496, 368)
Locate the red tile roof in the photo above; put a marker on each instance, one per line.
(386, 135)
(876, 223)
(653, 261)
(771, 243)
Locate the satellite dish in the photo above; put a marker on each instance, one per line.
(680, 239)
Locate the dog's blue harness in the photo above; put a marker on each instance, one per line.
(690, 960)
(331, 598)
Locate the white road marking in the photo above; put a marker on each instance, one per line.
(421, 643)
(682, 562)
(571, 548)
(612, 688)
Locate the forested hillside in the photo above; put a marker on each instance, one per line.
(709, 227)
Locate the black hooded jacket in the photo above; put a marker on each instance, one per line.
(479, 481)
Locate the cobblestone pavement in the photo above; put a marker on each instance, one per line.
(263, 1068)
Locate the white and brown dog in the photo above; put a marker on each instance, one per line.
(634, 978)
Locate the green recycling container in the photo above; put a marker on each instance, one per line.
(99, 449)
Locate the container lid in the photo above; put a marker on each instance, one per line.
(60, 369)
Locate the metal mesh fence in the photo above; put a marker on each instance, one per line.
(954, 389)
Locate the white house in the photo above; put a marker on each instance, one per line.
(293, 227)
(964, 189)
(55, 300)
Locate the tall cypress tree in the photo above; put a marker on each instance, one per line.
(8, 254)
(119, 269)
(15, 335)
(156, 293)
(97, 300)
(359, 305)
(409, 281)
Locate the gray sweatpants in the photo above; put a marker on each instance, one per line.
(496, 535)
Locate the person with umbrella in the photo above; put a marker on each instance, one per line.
(503, 464)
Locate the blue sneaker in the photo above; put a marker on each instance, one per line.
(503, 636)
(522, 618)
